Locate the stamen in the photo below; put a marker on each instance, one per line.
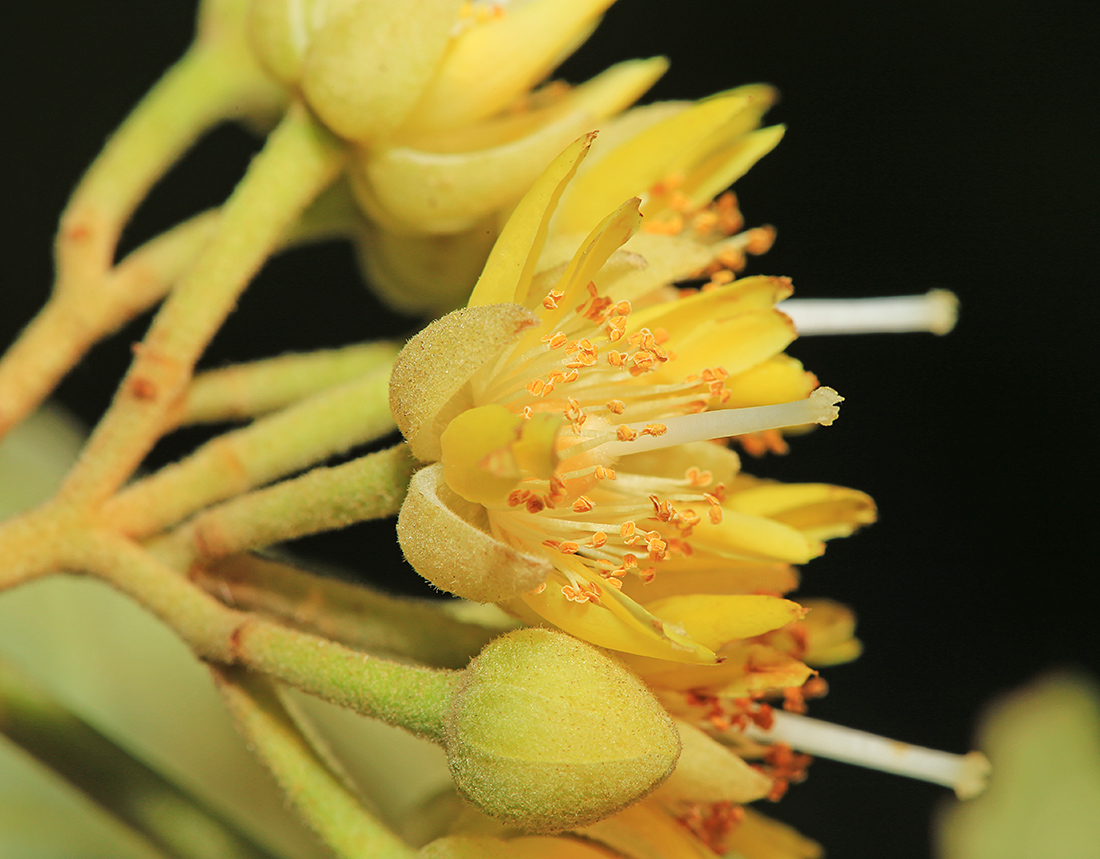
(935, 311)
(818, 408)
(965, 773)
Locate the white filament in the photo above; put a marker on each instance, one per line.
(935, 311)
(818, 408)
(965, 773)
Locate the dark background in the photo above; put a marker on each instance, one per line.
(931, 144)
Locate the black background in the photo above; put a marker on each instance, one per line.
(931, 144)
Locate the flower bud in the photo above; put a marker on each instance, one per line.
(281, 32)
(547, 733)
(367, 66)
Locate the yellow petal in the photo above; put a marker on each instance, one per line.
(610, 235)
(511, 264)
(819, 510)
(780, 379)
(723, 168)
(709, 772)
(477, 459)
(667, 259)
(617, 623)
(647, 831)
(749, 667)
(490, 64)
(445, 538)
(717, 619)
(671, 145)
(585, 266)
(735, 344)
(524, 847)
(487, 450)
(709, 575)
(604, 95)
(760, 837)
(742, 535)
(830, 630)
(748, 293)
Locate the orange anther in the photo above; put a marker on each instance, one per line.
(583, 504)
(552, 299)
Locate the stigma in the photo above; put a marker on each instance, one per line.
(936, 312)
(965, 774)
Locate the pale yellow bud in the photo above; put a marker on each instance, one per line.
(547, 733)
(281, 32)
(367, 66)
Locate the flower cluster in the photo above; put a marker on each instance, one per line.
(566, 453)
(572, 427)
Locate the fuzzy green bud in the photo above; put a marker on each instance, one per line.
(547, 733)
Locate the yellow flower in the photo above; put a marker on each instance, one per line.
(447, 124)
(573, 467)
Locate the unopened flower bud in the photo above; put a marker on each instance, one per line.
(281, 32)
(547, 733)
(367, 66)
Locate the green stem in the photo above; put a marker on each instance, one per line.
(125, 787)
(308, 432)
(353, 614)
(206, 85)
(72, 321)
(298, 161)
(409, 697)
(259, 387)
(324, 499)
(324, 801)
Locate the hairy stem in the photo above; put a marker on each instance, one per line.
(298, 161)
(319, 795)
(259, 387)
(413, 698)
(328, 423)
(353, 614)
(208, 84)
(72, 321)
(323, 499)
